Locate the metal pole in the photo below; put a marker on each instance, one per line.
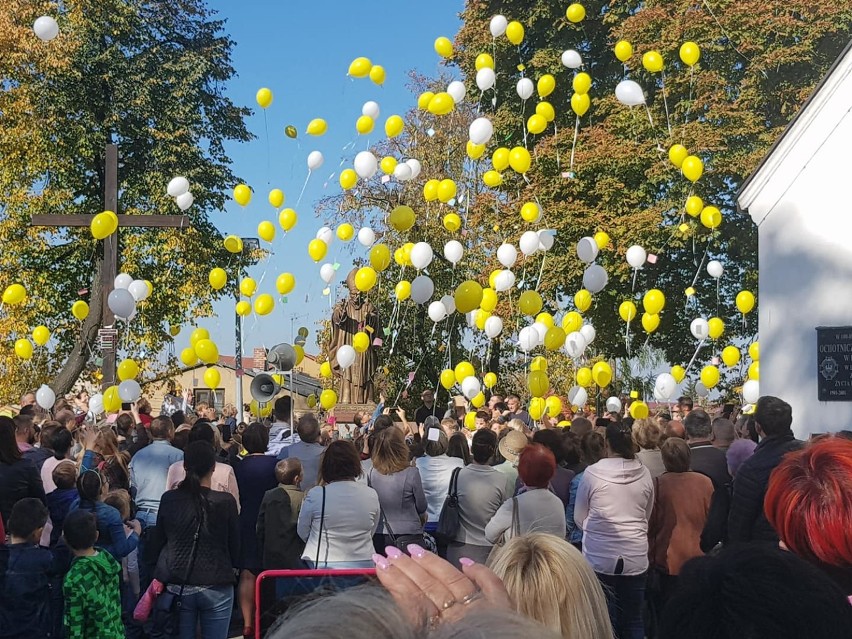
(109, 267)
(238, 363)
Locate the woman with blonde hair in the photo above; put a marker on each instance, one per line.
(103, 454)
(550, 581)
(647, 434)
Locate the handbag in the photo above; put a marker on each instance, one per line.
(399, 541)
(168, 605)
(449, 521)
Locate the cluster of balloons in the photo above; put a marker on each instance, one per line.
(178, 188)
(127, 293)
(362, 68)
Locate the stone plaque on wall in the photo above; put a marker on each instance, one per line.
(834, 363)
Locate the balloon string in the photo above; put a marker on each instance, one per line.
(650, 119)
(524, 121)
(701, 264)
(540, 271)
(574, 143)
(694, 355)
(666, 103)
(635, 275)
(689, 100)
(556, 144)
(627, 338)
(304, 186)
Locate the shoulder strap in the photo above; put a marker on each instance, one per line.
(454, 483)
(516, 518)
(192, 555)
(382, 519)
(322, 523)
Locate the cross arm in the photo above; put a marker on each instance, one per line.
(144, 221)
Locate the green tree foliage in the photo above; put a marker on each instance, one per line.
(149, 77)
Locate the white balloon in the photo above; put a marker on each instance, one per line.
(504, 281)
(327, 272)
(422, 289)
(402, 172)
(629, 93)
(525, 88)
(498, 25)
(701, 390)
(366, 165)
(636, 256)
(326, 235)
(470, 387)
(315, 160)
(700, 328)
(507, 255)
(456, 90)
(493, 326)
(184, 200)
(371, 109)
(546, 238)
(121, 303)
(345, 356)
(595, 278)
(46, 28)
(421, 255)
(578, 396)
(541, 329)
(527, 339)
(588, 331)
(715, 269)
(366, 236)
(437, 312)
(129, 390)
(45, 397)
(122, 280)
(528, 242)
(751, 391)
(96, 404)
(665, 386)
(139, 290)
(449, 303)
(613, 405)
(480, 130)
(453, 251)
(471, 321)
(575, 344)
(177, 186)
(571, 59)
(587, 250)
(485, 78)
(415, 167)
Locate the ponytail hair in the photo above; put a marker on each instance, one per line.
(199, 459)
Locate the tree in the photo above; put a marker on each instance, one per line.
(149, 77)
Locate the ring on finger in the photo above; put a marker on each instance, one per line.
(470, 598)
(448, 604)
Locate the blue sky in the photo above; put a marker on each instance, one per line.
(302, 51)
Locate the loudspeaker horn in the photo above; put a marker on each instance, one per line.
(264, 388)
(281, 357)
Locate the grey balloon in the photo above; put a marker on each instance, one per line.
(121, 303)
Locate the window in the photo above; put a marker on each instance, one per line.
(214, 398)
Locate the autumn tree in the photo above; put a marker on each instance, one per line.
(149, 77)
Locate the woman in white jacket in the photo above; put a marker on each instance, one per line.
(614, 503)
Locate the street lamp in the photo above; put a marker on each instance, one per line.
(249, 244)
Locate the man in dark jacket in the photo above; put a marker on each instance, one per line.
(706, 458)
(746, 521)
(279, 513)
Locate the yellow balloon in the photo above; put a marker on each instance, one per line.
(520, 160)
(545, 318)
(207, 351)
(478, 400)
(463, 370)
(652, 61)
(113, 219)
(583, 301)
(531, 212)
(242, 194)
(678, 372)
(500, 159)
(627, 311)
(287, 219)
(716, 327)
(538, 363)
(388, 164)
(492, 179)
(537, 407)
(394, 125)
(572, 322)
(41, 335)
(490, 380)
(233, 244)
(430, 190)
(188, 357)
(443, 47)
(754, 351)
(536, 123)
(692, 168)
(243, 308)
(285, 283)
(694, 205)
(276, 198)
(677, 154)
(365, 279)
(328, 399)
(212, 377)
(711, 217)
(546, 110)
(602, 240)
(448, 378)
(406, 252)
(731, 356)
(317, 249)
(377, 74)
(263, 97)
(492, 278)
(581, 83)
(112, 400)
(554, 338)
(553, 405)
(538, 383)
(403, 290)
(266, 231)
(402, 217)
(311, 400)
(529, 302)
(345, 232)
(623, 50)
(575, 12)
(754, 371)
(480, 317)
(364, 124)
(483, 61)
(580, 103)
(102, 226)
(489, 300)
(360, 67)
(260, 410)
(639, 410)
(317, 127)
(470, 421)
(515, 32)
(446, 190)
(452, 222)
(247, 287)
(14, 294)
(197, 335)
(441, 104)
(468, 296)
(24, 348)
(127, 369)
(602, 374)
(745, 302)
(583, 377)
(325, 370)
(380, 257)
(689, 53)
(264, 304)
(710, 376)
(360, 342)
(654, 301)
(545, 85)
(474, 151)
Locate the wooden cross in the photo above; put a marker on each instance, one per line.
(109, 267)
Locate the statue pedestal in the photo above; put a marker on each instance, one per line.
(345, 412)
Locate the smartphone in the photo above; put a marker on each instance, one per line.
(126, 406)
(276, 591)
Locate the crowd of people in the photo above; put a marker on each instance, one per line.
(696, 526)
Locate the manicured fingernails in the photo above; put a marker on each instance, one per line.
(393, 552)
(416, 551)
(464, 561)
(381, 562)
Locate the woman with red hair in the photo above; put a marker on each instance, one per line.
(809, 504)
(535, 509)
